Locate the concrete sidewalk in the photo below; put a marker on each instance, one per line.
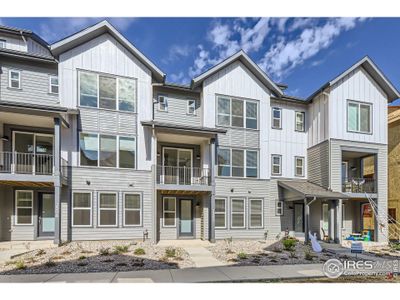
(192, 275)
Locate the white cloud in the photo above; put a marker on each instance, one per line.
(179, 78)
(202, 60)
(253, 38)
(300, 23)
(175, 52)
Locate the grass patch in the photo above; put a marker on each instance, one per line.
(242, 255)
(170, 252)
(139, 251)
(121, 249)
(20, 265)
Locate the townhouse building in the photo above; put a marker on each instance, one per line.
(96, 145)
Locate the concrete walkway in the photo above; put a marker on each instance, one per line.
(192, 275)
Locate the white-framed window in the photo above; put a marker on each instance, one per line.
(162, 103)
(359, 117)
(108, 151)
(132, 209)
(300, 117)
(23, 207)
(53, 84)
(107, 209)
(237, 162)
(169, 212)
(251, 163)
(238, 214)
(107, 92)
(127, 94)
(299, 166)
(256, 213)
(127, 152)
(276, 164)
(81, 209)
(236, 112)
(276, 118)
(191, 107)
(3, 43)
(279, 208)
(14, 79)
(220, 213)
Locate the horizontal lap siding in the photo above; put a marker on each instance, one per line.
(240, 138)
(318, 164)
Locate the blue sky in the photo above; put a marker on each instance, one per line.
(301, 52)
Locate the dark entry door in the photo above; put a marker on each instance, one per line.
(46, 214)
(298, 217)
(186, 217)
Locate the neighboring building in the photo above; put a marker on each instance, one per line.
(91, 128)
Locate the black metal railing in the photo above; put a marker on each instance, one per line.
(359, 185)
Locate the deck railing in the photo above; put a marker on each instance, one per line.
(26, 163)
(183, 175)
(359, 185)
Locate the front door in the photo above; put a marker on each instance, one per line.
(46, 215)
(299, 217)
(186, 217)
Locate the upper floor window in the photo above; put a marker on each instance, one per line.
(237, 113)
(359, 117)
(276, 118)
(300, 118)
(276, 164)
(106, 91)
(53, 84)
(299, 166)
(2, 43)
(237, 162)
(162, 103)
(14, 79)
(191, 107)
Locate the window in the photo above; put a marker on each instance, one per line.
(300, 118)
(108, 151)
(107, 209)
(299, 166)
(2, 43)
(251, 163)
(132, 210)
(276, 118)
(88, 89)
(107, 92)
(237, 213)
(359, 117)
(53, 84)
(256, 213)
(237, 113)
(127, 152)
(237, 162)
(169, 211)
(220, 213)
(392, 215)
(276, 164)
(88, 144)
(81, 209)
(126, 94)
(224, 162)
(279, 208)
(24, 208)
(191, 107)
(14, 79)
(162, 103)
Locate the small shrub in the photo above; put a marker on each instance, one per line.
(395, 246)
(40, 252)
(170, 252)
(20, 265)
(289, 244)
(308, 255)
(242, 255)
(139, 251)
(49, 263)
(104, 251)
(82, 264)
(121, 249)
(82, 257)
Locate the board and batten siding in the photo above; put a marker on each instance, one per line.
(318, 164)
(318, 120)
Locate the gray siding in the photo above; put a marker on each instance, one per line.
(318, 164)
(237, 137)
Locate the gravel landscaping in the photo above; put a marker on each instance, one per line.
(98, 256)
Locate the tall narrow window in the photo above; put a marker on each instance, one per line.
(276, 118)
(2, 43)
(359, 117)
(251, 163)
(251, 115)
(127, 94)
(107, 92)
(169, 211)
(107, 209)
(191, 107)
(127, 152)
(279, 208)
(237, 163)
(81, 209)
(88, 149)
(224, 162)
(256, 213)
(132, 210)
(53, 84)
(108, 151)
(14, 79)
(162, 103)
(237, 113)
(88, 89)
(299, 166)
(276, 164)
(300, 117)
(24, 208)
(220, 213)
(237, 213)
(224, 111)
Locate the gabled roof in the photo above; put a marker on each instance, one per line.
(24, 32)
(306, 189)
(249, 63)
(96, 30)
(373, 70)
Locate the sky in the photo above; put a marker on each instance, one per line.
(303, 53)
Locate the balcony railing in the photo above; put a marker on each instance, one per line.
(359, 185)
(183, 175)
(26, 163)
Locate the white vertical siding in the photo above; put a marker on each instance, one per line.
(318, 120)
(14, 43)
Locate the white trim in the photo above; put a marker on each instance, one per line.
(51, 85)
(132, 209)
(19, 79)
(82, 208)
(303, 116)
(238, 213)
(359, 104)
(4, 43)
(23, 207)
(220, 213)
(261, 213)
(168, 211)
(99, 209)
(244, 162)
(302, 158)
(280, 164)
(165, 102)
(188, 107)
(273, 118)
(279, 206)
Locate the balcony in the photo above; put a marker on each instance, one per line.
(26, 163)
(359, 185)
(183, 176)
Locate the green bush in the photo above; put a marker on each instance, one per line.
(49, 263)
(242, 255)
(289, 244)
(395, 246)
(82, 257)
(308, 255)
(139, 251)
(170, 252)
(20, 265)
(121, 249)
(104, 251)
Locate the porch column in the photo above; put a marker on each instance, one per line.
(306, 220)
(331, 219)
(154, 232)
(57, 180)
(212, 200)
(338, 221)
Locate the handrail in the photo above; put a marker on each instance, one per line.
(359, 185)
(183, 175)
(26, 163)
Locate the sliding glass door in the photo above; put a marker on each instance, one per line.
(177, 166)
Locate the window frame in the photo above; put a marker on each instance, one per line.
(220, 213)
(16, 208)
(244, 115)
(101, 77)
(52, 85)
(124, 209)
(272, 165)
(359, 104)
(279, 205)
(10, 79)
(99, 209)
(273, 118)
(303, 114)
(390, 214)
(165, 101)
(303, 159)
(261, 213)
(244, 162)
(232, 212)
(4, 43)
(257, 167)
(168, 211)
(118, 152)
(82, 208)
(188, 107)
